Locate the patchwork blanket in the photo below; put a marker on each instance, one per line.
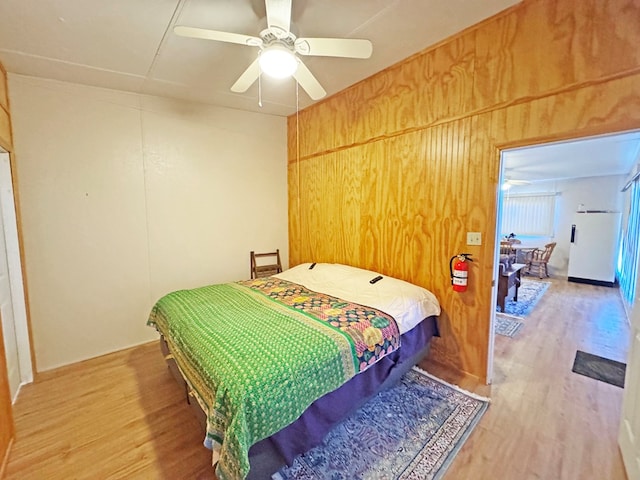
(257, 353)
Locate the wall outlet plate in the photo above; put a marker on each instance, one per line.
(474, 238)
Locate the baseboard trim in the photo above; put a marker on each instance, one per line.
(599, 283)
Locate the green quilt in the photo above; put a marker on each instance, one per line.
(256, 354)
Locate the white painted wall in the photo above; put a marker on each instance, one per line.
(595, 193)
(127, 197)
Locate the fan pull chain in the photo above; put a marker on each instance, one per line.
(260, 90)
(298, 156)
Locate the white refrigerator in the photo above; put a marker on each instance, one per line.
(593, 252)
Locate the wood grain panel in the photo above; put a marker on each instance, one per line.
(5, 123)
(611, 106)
(329, 199)
(392, 223)
(458, 184)
(547, 45)
(429, 87)
(5, 130)
(335, 133)
(435, 85)
(425, 156)
(4, 91)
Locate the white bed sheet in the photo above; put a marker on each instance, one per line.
(407, 303)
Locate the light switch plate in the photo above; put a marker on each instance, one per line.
(474, 238)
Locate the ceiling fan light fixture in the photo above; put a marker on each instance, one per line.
(278, 61)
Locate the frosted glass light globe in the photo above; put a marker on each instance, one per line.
(277, 61)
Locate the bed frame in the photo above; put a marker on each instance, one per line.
(270, 454)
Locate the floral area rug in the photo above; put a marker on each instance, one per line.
(529, 293)
(507, 325)
(410, 431)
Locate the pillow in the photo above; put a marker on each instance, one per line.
(407, 303)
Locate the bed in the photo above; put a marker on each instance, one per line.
(274, 362)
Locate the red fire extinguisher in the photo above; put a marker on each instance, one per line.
(459, 271)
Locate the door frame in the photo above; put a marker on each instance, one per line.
(9, 212)
(629, 434)
(630, 407)
(496, 268)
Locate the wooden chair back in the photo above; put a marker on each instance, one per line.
(505, 248)
(260, 269)
(543, 255)
(539, 258)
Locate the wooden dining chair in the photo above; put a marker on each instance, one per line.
(259, 269)
(506, 248)
(538, 258)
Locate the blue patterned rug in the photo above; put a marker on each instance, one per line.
(410, 431)
(507, 325)
(529, 292)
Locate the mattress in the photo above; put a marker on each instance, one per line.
(257, 354)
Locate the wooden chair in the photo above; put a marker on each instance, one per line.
(538, 258)
(506, 248)
(264, 270)
(507, 254)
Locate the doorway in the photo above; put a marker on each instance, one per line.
(584, 173)
(12, 297)
(595, 183)
(581, 173)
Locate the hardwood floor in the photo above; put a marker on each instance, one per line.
(117, 416)
(544, 421)
(123, 415)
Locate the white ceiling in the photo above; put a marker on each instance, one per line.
(130, 45)
(588, 157)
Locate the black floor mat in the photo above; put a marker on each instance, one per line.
(600, 368)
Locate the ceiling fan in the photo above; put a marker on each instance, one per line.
(279, 49)
(508, 183)
(509, 180)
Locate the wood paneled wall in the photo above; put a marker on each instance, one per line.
(6, 417)
(5, 122)
(391, 173)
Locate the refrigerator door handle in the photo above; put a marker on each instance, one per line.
(573, 233)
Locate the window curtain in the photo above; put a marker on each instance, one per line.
(629, 252)
(529, 214)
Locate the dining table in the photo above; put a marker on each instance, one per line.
(520, 250)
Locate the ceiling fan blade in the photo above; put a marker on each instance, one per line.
(308, 82)
(279, 16)
(516, 182)
(203, 33)
(248, 77)
(334, 47)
